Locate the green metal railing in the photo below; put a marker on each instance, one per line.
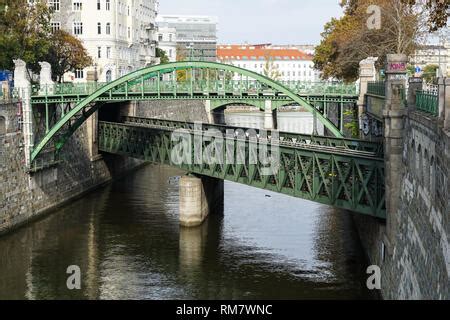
(428, 102)
(377, 88)
(198, 85)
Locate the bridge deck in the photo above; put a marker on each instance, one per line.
(339, 176)
(72, 93)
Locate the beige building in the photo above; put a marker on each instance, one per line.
(120, 35)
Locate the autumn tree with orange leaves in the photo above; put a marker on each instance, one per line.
(402, 27)
(67, 53)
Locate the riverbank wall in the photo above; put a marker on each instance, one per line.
(26, 196)
(411, 246)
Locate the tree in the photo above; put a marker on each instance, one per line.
(160, 53)
(270, 69)
(66, 53)
(436, 11)
(24, 32)
(370, 28)
(429, 73)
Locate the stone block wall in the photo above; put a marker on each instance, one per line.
(180, 110)
(25, 196)
(416, 263)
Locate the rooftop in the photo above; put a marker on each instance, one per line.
(258, 52)
(171, 18)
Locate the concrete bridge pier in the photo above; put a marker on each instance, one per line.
(394, 116)
(214, 116)
(270, 116)
(199, 196)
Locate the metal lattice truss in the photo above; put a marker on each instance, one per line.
(369, 148)
(339, 177)
(200, 80)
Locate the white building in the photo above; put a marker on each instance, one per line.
(438, 55)
(280, 63)
(167, 41)
(120, 35)
(196, 36)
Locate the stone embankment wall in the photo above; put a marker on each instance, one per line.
(415, 264)
(411, 247)
(25, 196)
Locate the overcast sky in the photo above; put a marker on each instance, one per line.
(261, 21)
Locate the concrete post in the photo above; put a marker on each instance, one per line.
(367, 73)
(446, 106)
(394, 116)
(209, 112)
(444, 101)
(45, 79)
(269, 121)
(415, 84)
(23, 86)
(199, 196)
(92, 135)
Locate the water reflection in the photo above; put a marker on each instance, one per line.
(127, 241)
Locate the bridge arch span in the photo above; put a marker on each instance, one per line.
(85, 108)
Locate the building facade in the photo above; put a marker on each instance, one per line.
(438, 55)
(119, 35)
(196, 36)
(278, 63)
(167, 41)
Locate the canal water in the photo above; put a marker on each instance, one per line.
(128, 244)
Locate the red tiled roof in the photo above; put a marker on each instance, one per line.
(248, 52)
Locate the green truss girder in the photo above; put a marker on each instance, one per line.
(351, 181)
(369, 148)
(122, 90)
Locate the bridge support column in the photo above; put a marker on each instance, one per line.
(444, 101)
(270, 122)
(23, 86)
(414, 85)
(209, 113)
(199, 196)
(217, 117)
(394, 116)
(367, 73)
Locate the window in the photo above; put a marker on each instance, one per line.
(108, 52)
(99, 52)
(54, 5)
(77, 5)
(99, 28)
(99, 5)
(108, 5)
(129, 32)
(55, 26)
(78, 28)
(79, 74)
(160, 37)
(170, 37)
(108, 28)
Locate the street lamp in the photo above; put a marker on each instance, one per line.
(95, 73)
(190, 47)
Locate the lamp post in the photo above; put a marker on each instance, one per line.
(95, 73)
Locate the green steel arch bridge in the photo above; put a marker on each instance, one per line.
(344, 173)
